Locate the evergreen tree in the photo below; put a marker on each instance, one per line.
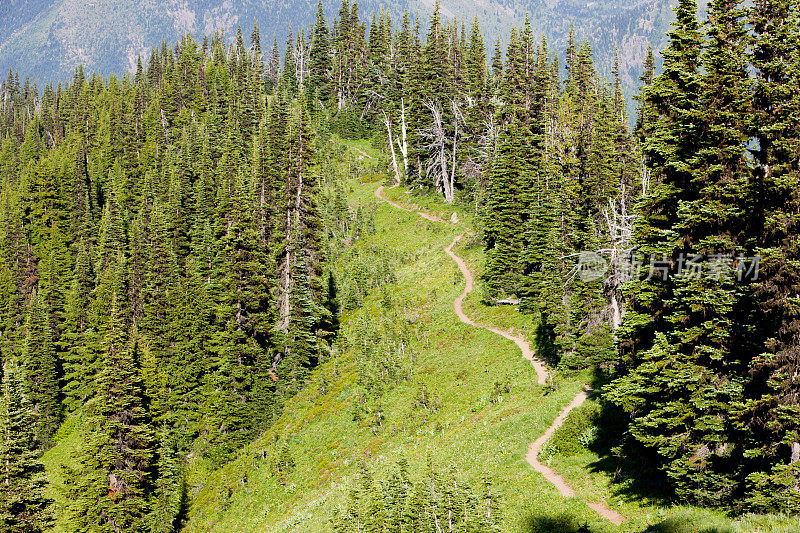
(680, 390)
(506, 210)
(320, 83)
(645, 114)
(23, 505)
(273, 67)
(497, 66)
(255, 50)
(674, 96)
(39, 369)
(77, 381)
(239, 404)
(476, 63)
(299, 261)
(289, 71)
(108, 490)
(769, 415)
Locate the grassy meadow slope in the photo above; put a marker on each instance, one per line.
(459, 366)
(482, 408)
(474, 431)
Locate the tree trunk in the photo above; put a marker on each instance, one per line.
(388, 125)
(404, 144)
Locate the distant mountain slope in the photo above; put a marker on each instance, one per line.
(49, 38)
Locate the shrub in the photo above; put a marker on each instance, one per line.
(579, 431)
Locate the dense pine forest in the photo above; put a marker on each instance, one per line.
(175, 254)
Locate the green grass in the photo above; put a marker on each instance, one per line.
(67, 440)
(459, 365)
(432, 205)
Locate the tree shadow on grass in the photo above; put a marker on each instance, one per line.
(567, 523)
(677, 525)
(633, 482)
(633, 479)
(561, 523)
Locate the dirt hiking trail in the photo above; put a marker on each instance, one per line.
(458, 307)
(426, 216)
(566, 491)
(535, 447)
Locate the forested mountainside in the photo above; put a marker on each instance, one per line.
(181, 273)
(49, 39)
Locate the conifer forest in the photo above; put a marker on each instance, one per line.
(227, 299)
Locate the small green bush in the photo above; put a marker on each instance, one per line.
(579, 430)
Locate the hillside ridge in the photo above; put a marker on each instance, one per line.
(51, 39)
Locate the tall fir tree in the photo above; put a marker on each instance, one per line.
(39, 367)
(692, 340)
(299, 261)
(24, 508)
(320, 68)
(770, 414)
(109, 486)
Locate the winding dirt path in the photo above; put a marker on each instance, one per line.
(535, 447)
(458, 307)
(362, 152)
(533, 451)
(556, 479)
(426, 216)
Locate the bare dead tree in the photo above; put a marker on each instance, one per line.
(165, 125)
(388, 124)
(301, 68)
(402, 141)
(436, 145)
(486, 146)
(441, 167)
(645, 175)
(374, 97)
(458, 119)
(619, 224)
